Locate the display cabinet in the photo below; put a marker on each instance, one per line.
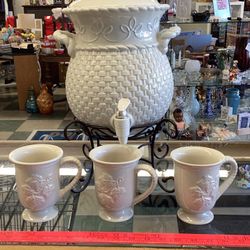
(237, 7)
(216, 47)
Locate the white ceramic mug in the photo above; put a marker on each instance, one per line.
(115, 171)
(37, 179)
(196, 178)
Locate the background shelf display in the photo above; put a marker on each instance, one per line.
(237, 7)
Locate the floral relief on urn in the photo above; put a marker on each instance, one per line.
(118, 52)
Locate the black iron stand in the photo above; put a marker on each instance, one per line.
(150, 132)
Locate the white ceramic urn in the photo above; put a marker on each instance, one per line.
(118, 52)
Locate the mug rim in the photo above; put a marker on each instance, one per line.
(93, 151)
(13, 152)
(221, 155)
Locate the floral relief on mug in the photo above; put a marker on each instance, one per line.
(109, 190)
(36, 190)
(204, 193)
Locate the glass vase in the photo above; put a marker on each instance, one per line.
(45, 101)
(194, 104)
(31, 105)
(233, 99)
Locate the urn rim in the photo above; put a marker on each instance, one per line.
(114, 5)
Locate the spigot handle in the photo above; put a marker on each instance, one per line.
(122, 121)
(123, 104)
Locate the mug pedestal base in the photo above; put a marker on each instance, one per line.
(195, 219)
(40, 216)
(116, 216)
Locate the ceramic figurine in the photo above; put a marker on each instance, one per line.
(179, 121)
(203, 131)
(182, 127)
(225, 74)
(234, 71)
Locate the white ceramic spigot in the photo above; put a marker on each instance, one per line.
(122, 121)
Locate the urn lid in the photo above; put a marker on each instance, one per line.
(85, 5)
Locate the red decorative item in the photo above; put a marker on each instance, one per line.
(60, 24)
(49, 25)
(10, 21)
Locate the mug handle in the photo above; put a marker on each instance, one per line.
(233, 171)
(75, 161)
(152, 186)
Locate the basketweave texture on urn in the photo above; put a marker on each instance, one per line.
(118, 52)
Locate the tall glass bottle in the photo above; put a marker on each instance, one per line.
(30, 105)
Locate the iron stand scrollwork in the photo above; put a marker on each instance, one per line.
(150, 131)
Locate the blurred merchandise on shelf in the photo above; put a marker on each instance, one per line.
(247, 5)
(203, 131)
(183, 9)
(6, 33)
(5, 49)
(243, 123)
(234, 71)
(209, 111)
(242, 52)
(236, 29)
(10, 21)
(7, 70)
(243, 176)
(200, 16)
(48, 25)
(210, 76)
(192, 67)
(195, 41)
(219, 30)
(222, 134)
(28, 35)
(180, 77)
(193, 102)
(226, 112)
(48, 45)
